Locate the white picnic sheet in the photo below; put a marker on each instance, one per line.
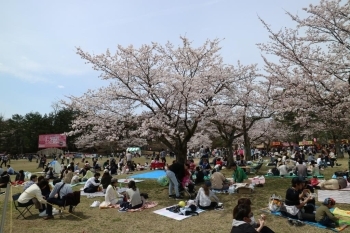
(98, 194)
(127, 180)
(172, 215)
(340, 196)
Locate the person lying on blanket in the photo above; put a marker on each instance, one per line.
(242, 221)
(294, 207)
(92, 184)
(133, 197)
(324, 216)
(112, 196)
(203, 198)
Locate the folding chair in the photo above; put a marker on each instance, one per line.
(20, 207)
(256, 168)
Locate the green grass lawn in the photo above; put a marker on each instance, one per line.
(110, 220)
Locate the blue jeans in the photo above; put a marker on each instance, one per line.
(173, 183)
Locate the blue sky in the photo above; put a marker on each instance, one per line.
(38, 39)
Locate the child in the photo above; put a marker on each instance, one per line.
(324, 216)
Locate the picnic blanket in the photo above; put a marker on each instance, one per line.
(96, 194)
(127, 180)
(146, 205)
(343, 215)
(309, 177)
(314, 224)
(176, 216)
(340, 196)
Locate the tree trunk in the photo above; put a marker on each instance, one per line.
(247, 149)
(339, 152)
(181, 152)
(230, 155)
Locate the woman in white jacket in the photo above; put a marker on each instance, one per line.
(112, 196)
(203, 199)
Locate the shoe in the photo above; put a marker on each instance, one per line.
(178, 198)
(291, 222)
(123, 210)
(48, 217)
(55, 211)
(43, 214)
(95, 204)
(171, 196)
(298, 223)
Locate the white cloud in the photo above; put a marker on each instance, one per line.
(60, 86)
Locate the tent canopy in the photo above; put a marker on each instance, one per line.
(134, 149)
(56, 166)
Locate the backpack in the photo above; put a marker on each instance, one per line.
(72, 198)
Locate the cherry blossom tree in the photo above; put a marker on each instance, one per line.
(244, 103)
(172, 87)
(312, 73)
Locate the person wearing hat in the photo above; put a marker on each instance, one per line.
(112, 196)
(296, 199)
(204, 195)
(324, 216)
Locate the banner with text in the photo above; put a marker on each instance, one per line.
(52, 140)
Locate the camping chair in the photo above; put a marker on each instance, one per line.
(72, 200)
(256, 169)
(20, 207)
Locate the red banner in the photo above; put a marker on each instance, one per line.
(52, 140)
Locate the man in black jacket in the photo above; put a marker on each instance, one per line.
(175, 173)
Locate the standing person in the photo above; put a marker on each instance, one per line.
(4, 160)
(162, 156)
(175, 172)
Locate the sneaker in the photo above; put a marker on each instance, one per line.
(48, 217)
(291, 222)
(298, 223)
(95, 204)
(55, 211)
(43, 214)
(123, 210)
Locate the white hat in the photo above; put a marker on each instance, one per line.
(106, 171)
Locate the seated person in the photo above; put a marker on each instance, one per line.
(311, 203)
(92, 184)
(206, 167)
(203, 198)
(246, 201)
(112, 196)
(293, 207)
(218, 164)
(75, 179)
(19, 178)
(49, 174)
(88, 174)
(239, 176)
(218, 181)
(198, 176)
(324, 217)
(33, 179)
(56, 196)
(133, 196)
(186, 179)
(242, 162)
(192, 166)
(283, 169)
(45, 191)
(106, 179)
(68, 175)
(10, 170)
(275, 171)
(4, 179)
(33, 195)
(242, 221)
